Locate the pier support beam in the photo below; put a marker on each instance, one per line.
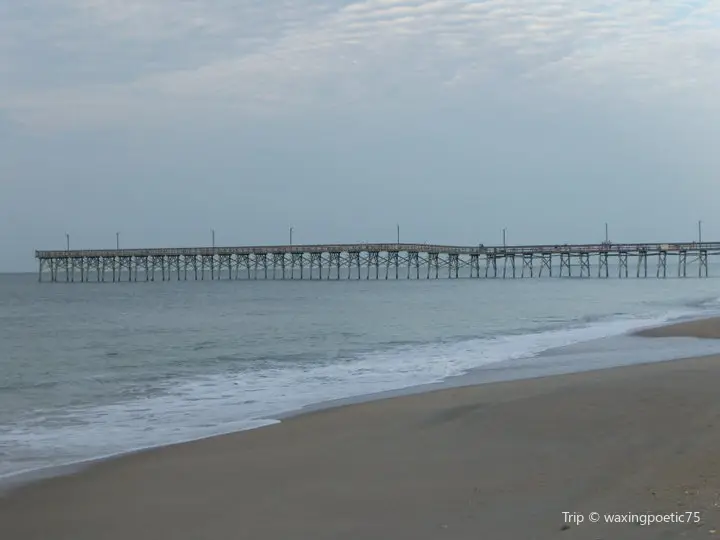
(491, 265)
(354, 260)
(565, 264)
(434, 262)
(545, 263)
(703, 263)
(642, 263)
(264, 259)
(682, 264)
(414, 260)
(475, 265)
(392, 260)
(511, 258)
(334, 260)
(584, 264)
(623, 264)
(294, 261)
(662, 264)
(603, 268)
(373, 261)
(315, 261)
(278, 261)
(527, 264)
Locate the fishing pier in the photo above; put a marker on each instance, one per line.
(379, 261)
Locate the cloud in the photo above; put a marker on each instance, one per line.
(110, 60)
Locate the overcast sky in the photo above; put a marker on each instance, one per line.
(164, 119)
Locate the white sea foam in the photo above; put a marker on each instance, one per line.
(218, 404)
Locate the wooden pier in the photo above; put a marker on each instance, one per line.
(379, 261)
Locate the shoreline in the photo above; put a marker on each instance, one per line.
(705, 328)
(702, 328)
(493, 460)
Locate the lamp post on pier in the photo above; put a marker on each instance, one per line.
(700, 232)
(117, 241)
(291, 231)
(67, 237)
(213, 238)
(504, 232)
(398, 234)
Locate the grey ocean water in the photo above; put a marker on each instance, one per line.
(91, 370)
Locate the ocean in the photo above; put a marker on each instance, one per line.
(99, 369)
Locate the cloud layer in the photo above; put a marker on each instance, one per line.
(68, 63)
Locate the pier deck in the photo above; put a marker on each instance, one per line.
(379, 261)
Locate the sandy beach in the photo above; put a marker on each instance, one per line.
(703, 328)
(496, 461)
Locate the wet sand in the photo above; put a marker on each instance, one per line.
(702, 328)
(496, 461)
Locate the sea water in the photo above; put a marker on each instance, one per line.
(97, 369)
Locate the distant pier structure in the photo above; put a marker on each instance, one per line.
(379, 261)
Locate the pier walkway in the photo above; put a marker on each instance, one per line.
(379, 261)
